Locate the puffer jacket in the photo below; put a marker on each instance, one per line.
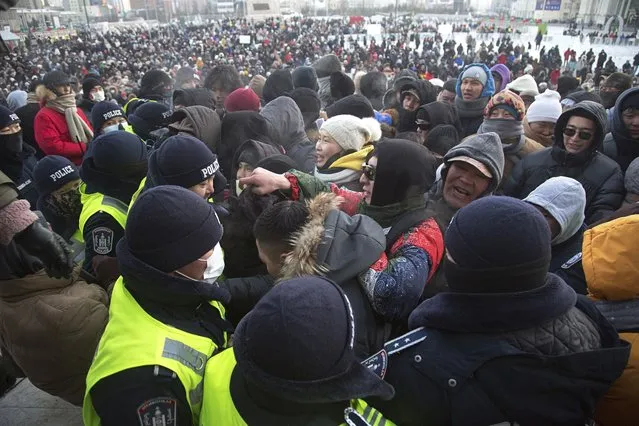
(340, 247)
(618, 144)
(396, 282)
(600, 176)
(613, 282)
(481, 355)
(51, 328)
(200, 122)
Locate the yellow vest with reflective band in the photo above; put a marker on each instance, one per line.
(77, 247)
(133, 338)
(218, 407)
(96, 203)
(137, 193)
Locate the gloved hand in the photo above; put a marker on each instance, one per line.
(106, 269)
(49, 247)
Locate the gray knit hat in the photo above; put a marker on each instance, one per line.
(326, 65)
(485, 149)
(476, 73)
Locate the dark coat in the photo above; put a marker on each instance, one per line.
(618, 144)
(27, 116)
(566, 262)
(541, 360)
(600, 176)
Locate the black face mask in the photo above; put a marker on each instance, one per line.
(608, 99)
(11, 144)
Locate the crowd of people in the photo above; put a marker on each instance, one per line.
(314, 230)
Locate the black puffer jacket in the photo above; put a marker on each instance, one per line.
(618, 144)
(600, 176)
(484, 355)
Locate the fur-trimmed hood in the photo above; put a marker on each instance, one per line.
(332, 243)
(45, 94)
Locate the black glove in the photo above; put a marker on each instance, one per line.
(48, 247)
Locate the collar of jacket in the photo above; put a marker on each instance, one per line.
(495, 312)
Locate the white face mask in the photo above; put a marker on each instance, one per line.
(98, 96)
(214, 265)
(112, 128)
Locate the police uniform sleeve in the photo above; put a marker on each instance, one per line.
(144, 396)
(101, 234)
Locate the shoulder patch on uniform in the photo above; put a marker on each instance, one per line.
(102, 240)
(406, 341)
(377, 363)
(570, 262)
(158, 412)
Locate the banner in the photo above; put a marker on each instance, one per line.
(553, 5)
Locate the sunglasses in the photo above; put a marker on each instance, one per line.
(583, 135)
(369, 171)
(423, 125)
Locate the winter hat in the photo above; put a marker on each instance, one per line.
(104, 111)
(373, 86)
(309, 103)
(321, 369)
(566, 84)
(442, 138)
(153, 82)
(54, 79)
(341, 85)
(7, 117)
(87, 85)
(305, 77)
(257, 85)
(565, 199)
(504, 73)
(326, 65)
(149, 117)
(497, 245)
(278, 164)
(185, 161)
(350, 132)
(404, 77)
(356, 105)
(184, 75)
(169, 227)
(279, 83)
(546, 107)
(17, 99)
(524, 86)
(52, 173)
(581, 95)
(475, 72)
(449, 85)
(242, 100)
(484, 152)
(508, 101)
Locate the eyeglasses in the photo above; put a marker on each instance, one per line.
(583, 135)
(369, 171)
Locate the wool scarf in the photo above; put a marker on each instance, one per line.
(79, 130)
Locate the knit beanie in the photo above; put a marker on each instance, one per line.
(242, 100)
(114, 152)
(483, 150)
(153, 82)
(169, 227)
(524, 85)
(497, 245)
(279, 83)
(257, 85)
(305, 77)
(103, 112)
(7, 117)
(475, 72)
(326, 65)
(442, 138)
(546, 108)
(356, 105)
(566, 84)
(373, 86)
(87, 85)
(182, 160)
(350, 132)
(508, 101)
(52, 173)
(54, 79)
(149, 117)
(309, 103)
(341, 85)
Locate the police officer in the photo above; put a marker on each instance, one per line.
(112, 169)
(164, 321)
(17, 159)
(293, 363)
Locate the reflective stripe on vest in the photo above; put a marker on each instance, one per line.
(218, 407)
(77, 247)
(95, 203)
(133, 339)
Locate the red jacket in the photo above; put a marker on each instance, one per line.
(53, 137)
